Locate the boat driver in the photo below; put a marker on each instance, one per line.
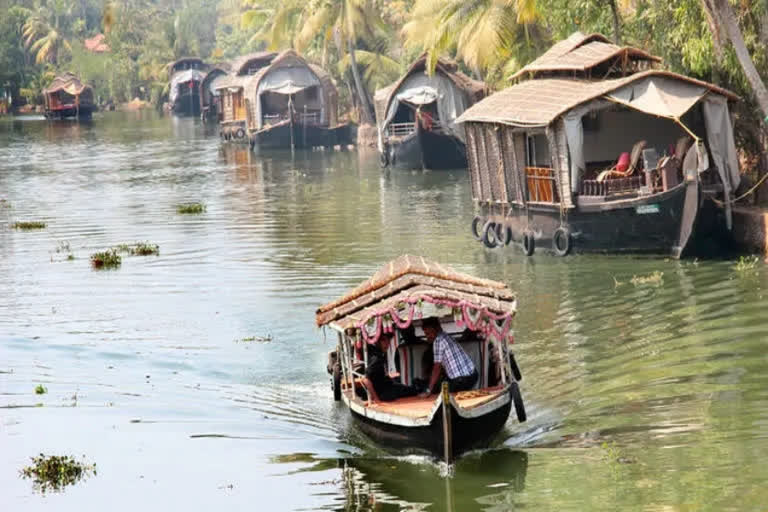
(381, 387)
(449, 357)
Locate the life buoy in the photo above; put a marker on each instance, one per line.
(517, 399)
(489, 235)
(476, 223)
(240, 133)
(561, 241)
(529, 243)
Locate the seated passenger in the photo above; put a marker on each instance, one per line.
(449, 357)
(381, 387)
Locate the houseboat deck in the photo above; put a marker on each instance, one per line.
(418, 407)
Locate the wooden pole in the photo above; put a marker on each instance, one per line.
(447, 431)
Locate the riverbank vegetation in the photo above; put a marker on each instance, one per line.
(123, 47)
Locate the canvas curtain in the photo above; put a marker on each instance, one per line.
(289, 80)
(180, 78)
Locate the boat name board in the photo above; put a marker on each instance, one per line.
(644, 209)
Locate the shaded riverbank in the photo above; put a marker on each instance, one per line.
(655, 390)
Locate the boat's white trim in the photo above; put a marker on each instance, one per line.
(501, 399)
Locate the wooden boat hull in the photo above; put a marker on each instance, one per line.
(660, 223)
(188, 103)
(83, 112)
(427, 150)
(468, 433)
(304, 136)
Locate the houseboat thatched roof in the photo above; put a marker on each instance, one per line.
(581, 52)
(68, 83)
(475, 89)
(241, 64)
(185, 60)
(539, 102)
(409, 279)
(232, 82)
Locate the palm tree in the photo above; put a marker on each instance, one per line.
(44, 32)
(482, 31)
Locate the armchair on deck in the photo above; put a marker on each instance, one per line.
(617, 171)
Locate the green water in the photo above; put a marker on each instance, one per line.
(640, 396)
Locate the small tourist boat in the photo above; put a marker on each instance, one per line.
(594, 149)
(184, 93)
(478, 313)
(68, 97)
(416, 117)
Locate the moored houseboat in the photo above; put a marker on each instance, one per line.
(292, 103)
(184, 95)
(416, 116)
(596, 149)
(67, 97)
(233, 123)
(210, 108)
(396, 301)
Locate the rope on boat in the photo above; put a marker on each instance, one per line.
(745, 194)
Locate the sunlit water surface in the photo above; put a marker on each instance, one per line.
(639, 396)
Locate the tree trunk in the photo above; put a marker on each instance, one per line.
(365, 109)
(615, 12)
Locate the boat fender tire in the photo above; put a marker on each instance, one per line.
(240, 133)
(336, 382)
(515, 369)
(517, 399)
(529, 243)
(561, 241)
(503, 234)
(384, 157)
(477, 224)
(489, 235)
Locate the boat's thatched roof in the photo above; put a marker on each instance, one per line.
(233, 82)
(409, 279)
(240, 64)
(541, 101)
(183, 60)
(475, 89)
(214, 72)
(581, 52)
(67, 82)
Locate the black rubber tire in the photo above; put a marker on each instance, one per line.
(240, 133)
(503, 234)
(477, 222)
(515, 369)
(336, 382)
(383, 157)
(529, 243)
(517, 399)
(561, 241)
(489, 235)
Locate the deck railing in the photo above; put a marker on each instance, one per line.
(400, 129)
(611, 186)
(541, 185)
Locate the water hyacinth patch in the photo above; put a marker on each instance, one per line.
(190, 208)
(106, 259)
(138, 249)
(29, 225)
(53, 473)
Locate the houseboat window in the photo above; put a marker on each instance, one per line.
(540, 176)
(537, 151)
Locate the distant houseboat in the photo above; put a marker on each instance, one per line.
(67, 97)
(184, 95)
(233, 124)
(595, 149)
(210, 109)
(293, 103)
(416, 117)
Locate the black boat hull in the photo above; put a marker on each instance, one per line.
(84, 112)
(427, 150)
(299, 135)
(468, 433)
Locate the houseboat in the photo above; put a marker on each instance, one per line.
(233, 124)
(292, 103)
(395, 301)
(416, 117)
(184, 95)
(597, 149)
(68, 97)
(210, 108)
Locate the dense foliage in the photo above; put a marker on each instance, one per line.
(364, 43)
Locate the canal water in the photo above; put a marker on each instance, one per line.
(196, 379)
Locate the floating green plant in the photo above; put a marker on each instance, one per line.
(138, 249)
(29, 225)
(40, 389)
(106, 259)
(746, 264)
(655, 278)
(53, 473)
(255, 339)
(190, 208)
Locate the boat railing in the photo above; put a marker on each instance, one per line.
(614, 186)
(309, 117)
(541, 185)
(400, 129)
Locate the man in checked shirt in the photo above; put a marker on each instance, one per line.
(449, 356)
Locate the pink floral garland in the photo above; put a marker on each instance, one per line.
(485, 321)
